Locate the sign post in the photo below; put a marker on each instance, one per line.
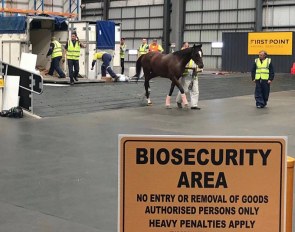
(169, 183)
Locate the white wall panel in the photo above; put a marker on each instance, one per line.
(118, 3)
(142, 24)
(156, 11)
(127, 24)
(206, 47)
(193, 18)
(208, 27)
(211, 5)
(209, 36)
(129, 34)
(142, 34)
(210, 62)
(283, 16)
(246, 16)
(193, 5)
(191, 36)
(219, 36)
(228, 16)
(145, 2)
(216, 51)
(142, 12)
(128, 12)
(229, 26)
(210, 17)
(115, 13)
(156, 34)
(228, 4)
(156, 23)
(242, 4)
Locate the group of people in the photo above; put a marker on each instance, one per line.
(72, 49)
(144, 48)
(262, 72)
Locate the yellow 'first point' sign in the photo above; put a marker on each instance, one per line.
(274, 43)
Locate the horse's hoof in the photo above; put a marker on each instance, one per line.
(168, 107)
(149, 104)
(186, 107)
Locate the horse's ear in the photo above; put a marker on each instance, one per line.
(199, 45)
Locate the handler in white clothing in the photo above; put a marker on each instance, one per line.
(190, 84)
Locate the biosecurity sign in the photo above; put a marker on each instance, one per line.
(274, 43)
(192, 184)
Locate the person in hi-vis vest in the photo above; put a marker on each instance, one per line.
(55, 51)
(190, 83)
(143, 48)
(262, 74)
(73, 47)
(105, 67)
(123, 48)
(155, 47)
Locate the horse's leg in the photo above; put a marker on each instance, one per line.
(147, 88)
(183, 96)
(168, 97)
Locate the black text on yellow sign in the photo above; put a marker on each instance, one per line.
(229, 184)
(203, 157)
(274, 43)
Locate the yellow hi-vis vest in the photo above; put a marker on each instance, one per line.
(122, 50)
(189, 65)
(73, 52)
(262, 69)
(143, 49)
(98, 55)
(57, 51)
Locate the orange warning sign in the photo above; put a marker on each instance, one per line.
(191, 184)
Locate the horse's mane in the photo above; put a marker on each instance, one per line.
(183, 52)
(186, 51)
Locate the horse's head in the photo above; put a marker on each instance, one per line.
(197, 55)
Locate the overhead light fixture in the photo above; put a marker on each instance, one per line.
(217, 44)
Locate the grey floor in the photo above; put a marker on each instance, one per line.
(59, 173)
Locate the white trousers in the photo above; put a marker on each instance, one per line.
(194, 92)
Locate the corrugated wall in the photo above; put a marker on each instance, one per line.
(235, 56)
(139, 19)
(62, 6)
(279, 15)
(205, 21)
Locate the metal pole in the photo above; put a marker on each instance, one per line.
(258, 15)
(167, 20)
(32, 89)
(177, 22)
(78, 7)
(106, 7)
(3, 7)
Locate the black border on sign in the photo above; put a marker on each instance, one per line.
(195, 141)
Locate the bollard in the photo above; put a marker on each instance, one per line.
(293, 69)
(290, 179)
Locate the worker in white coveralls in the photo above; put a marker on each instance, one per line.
(190, 83)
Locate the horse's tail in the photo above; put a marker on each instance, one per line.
(138, 67)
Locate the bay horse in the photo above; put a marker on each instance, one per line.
(170, 66)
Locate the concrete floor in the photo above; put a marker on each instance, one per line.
(59, 173)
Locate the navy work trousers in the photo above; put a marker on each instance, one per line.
(262, 90)
(54, 65)
(105, 67)
(73, 69)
